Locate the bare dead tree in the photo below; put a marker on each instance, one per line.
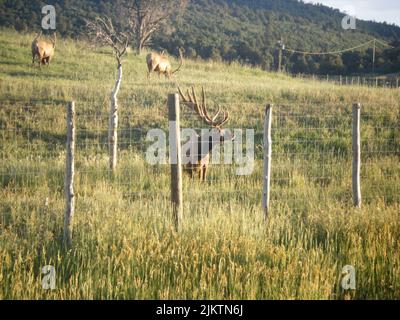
(147, 16)
(103, 32)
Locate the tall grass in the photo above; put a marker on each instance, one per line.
(125, 246)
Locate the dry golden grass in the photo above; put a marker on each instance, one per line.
(124, 244)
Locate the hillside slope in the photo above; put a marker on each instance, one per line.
(244, 30)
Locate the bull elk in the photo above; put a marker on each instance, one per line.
(43, 50)
(160, 63)
(199, 162)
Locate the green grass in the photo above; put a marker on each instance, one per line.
(125, 246)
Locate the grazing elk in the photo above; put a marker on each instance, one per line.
(160, 63)
(199, 162)
(43, 50)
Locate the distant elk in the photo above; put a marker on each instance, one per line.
(199, 162)
(43, 50)
(160, 63)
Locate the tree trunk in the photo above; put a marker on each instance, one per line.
(139, 48)
(139, 42)
(113, 121)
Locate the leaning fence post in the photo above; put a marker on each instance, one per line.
(267, 158)
(69, 175)
(356, 155)
(175, 158)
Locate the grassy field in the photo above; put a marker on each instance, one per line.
(125, 246)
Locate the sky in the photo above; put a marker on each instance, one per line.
(378, 10)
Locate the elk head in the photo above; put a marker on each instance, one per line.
(160, 64)
(200, 162)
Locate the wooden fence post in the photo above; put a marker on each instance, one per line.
(267, 159)
(69, 175)
(356, 155)
(175, 155)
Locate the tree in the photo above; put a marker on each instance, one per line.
(352, 61)
(102, 31)
(147, 16)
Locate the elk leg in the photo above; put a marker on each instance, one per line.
(204, 173)
(152, 69)
(189, 171)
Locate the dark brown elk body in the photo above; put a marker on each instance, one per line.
(199, 162)
(43, 50)
(160, 64)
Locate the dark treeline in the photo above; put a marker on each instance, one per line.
(240, 30)
(354, 62)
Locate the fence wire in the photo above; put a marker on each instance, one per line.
(311, 159)
(377, 82)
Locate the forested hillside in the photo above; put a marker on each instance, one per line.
(244, 30)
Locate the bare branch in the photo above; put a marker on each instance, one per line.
(147, 16)
(102, 31)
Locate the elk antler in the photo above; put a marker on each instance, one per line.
(38, 36)
(201, 108)
(102, 29)
(53, 41)
(180, 61)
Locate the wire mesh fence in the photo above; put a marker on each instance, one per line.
(311, 158)
(341, 80)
